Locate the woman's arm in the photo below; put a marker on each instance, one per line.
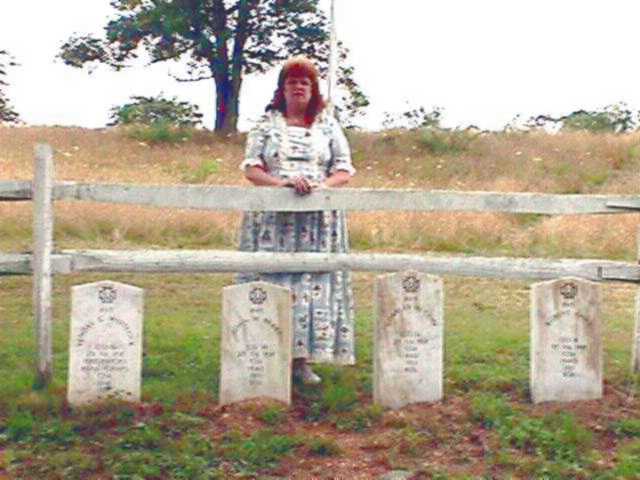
(337, 179)
(260, 178)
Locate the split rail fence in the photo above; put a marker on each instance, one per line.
(44, 263)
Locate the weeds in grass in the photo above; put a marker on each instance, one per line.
(20, 426)
(445, 142)
(264, 449)
(272, 415)
(324, 447)
(491, 410)
(159, 132)
(359, 419)
(628, 427)
(205, 169)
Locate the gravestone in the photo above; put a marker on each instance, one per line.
(566, 341)
(257, 342)
(408, 341)
(635, 349)
(105, 358)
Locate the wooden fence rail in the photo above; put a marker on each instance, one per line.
(278, 199)
(43, 263)
(219, 261)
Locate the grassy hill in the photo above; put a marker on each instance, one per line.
(486, 427)
(518, 162)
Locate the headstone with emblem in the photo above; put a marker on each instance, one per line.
(105, 359)
(257, 342)
(408, 348)
(566, 341)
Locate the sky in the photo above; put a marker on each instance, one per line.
(483, 62)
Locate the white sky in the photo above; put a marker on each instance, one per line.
(482, 61)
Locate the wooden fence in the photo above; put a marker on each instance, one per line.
(43, 263)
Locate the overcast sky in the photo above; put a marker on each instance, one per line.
(482, 61)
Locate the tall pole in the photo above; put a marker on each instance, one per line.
(333, 60)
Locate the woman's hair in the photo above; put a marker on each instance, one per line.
(299, 66)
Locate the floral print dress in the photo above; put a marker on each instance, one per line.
(322, 302)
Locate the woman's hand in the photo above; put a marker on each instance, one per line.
(302, 185)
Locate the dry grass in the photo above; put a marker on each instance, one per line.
(534, 162)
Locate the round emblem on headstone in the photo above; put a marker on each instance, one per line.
(411, 284)
(107, 294)
(257, 296)
(569, 290)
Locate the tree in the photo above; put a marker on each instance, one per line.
(7, 114)
(223, 40)
(616, 118)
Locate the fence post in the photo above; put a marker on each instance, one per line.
(635, 348)
(41, 266)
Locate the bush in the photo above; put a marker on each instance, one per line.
(156, 110)
(156, 119)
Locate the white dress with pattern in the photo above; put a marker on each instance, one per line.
(323, 302)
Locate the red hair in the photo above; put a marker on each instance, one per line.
(299, 67)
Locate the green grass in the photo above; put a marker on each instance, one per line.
(486, 365)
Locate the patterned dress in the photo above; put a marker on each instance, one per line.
(322, 302)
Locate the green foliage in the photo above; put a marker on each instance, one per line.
(628, 427)
(20, 426)
(7, 113)
(154, 110)
(254, 36)
(339, 397)
(413, 118)
(202, 172)
(142, 437)
(272, 415)
(359, 419)
(491, 410)
(616, 118)
(159, 132)
(324, 447)
(558, 438)
(262, 450)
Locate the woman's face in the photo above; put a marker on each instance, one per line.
(297, 91)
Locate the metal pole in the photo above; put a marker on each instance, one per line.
(333, 60)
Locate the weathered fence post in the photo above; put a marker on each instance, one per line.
(635, 348)
(41, 262)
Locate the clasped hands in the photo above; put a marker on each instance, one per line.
(302, 185)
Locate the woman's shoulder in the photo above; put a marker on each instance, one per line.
(327, 122)
(272, 119)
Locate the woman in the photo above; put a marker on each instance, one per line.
(298, 145)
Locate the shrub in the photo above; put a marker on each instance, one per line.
(156, 119)
(156, 110)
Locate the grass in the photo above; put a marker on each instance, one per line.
(486, 426)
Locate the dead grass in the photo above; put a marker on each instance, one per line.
(517, 162)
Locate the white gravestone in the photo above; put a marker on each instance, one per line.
(635, 350)
(408, 348)
(257, 342)
(105, 358)
(566, 341)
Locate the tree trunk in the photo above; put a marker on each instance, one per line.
(226, 107)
